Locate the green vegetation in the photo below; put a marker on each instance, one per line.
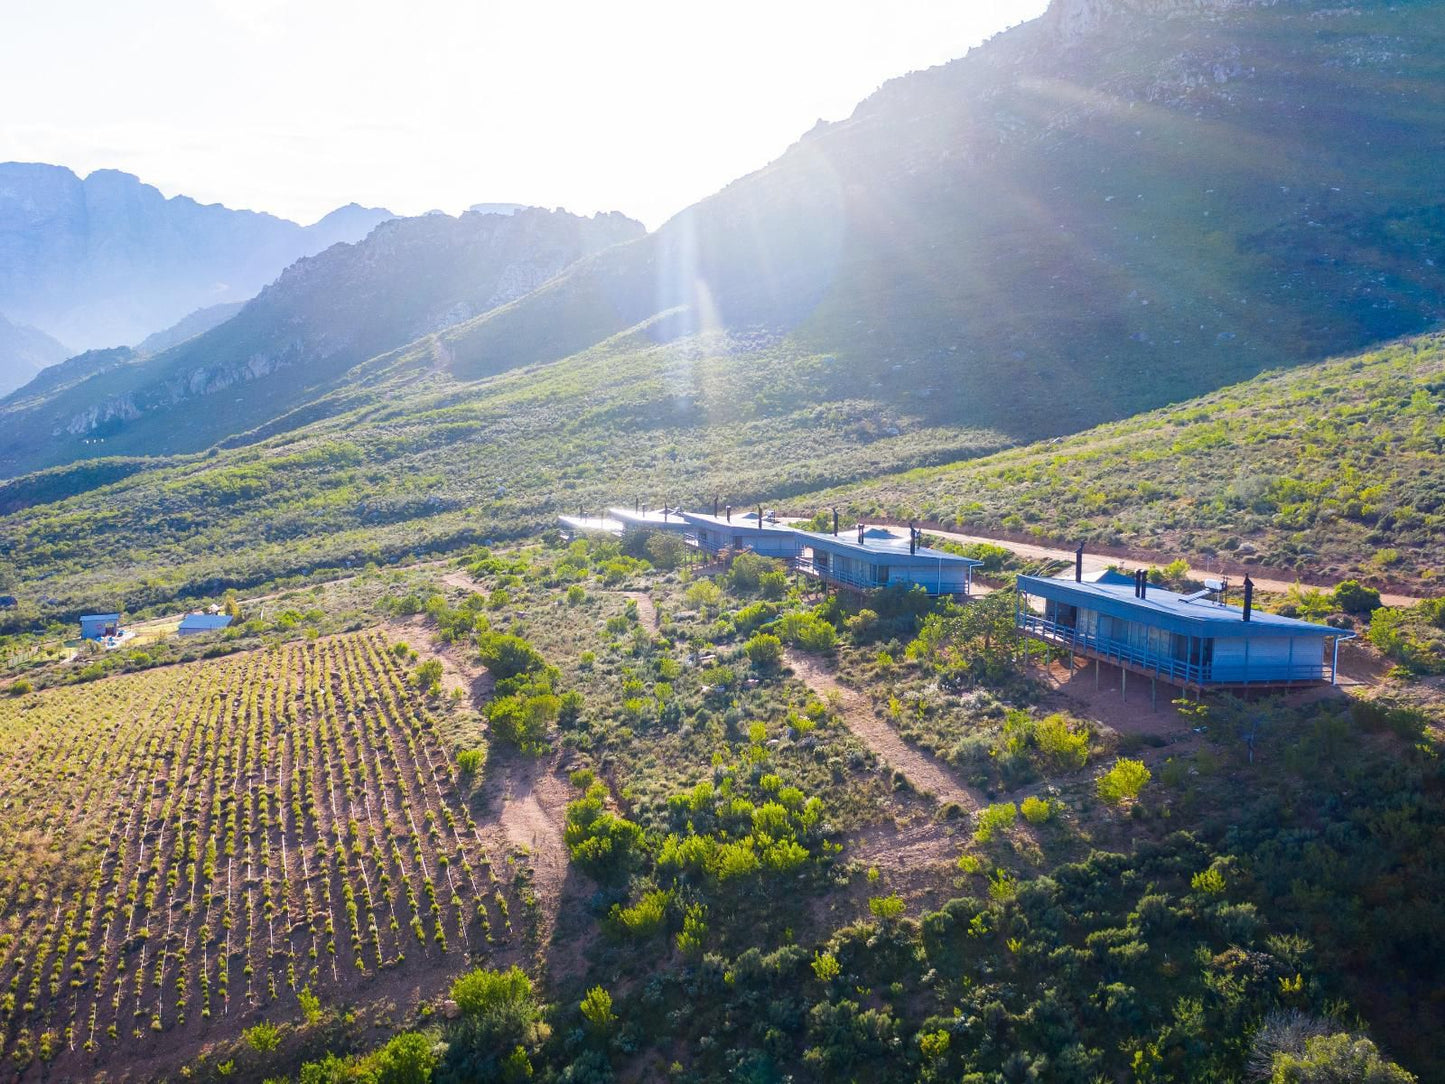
(727, 844)
(1331, 471)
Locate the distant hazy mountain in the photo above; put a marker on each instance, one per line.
(200, 321)
(299, 336)
(108, 260)
(24, 351)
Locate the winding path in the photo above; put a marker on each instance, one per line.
(925, 773)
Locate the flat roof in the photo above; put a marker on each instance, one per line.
(100, 617)
(741, 520)
(599, 524)
(649, 517)
(1169, 609)
(879, 541)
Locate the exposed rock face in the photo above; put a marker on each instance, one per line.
(108, 260)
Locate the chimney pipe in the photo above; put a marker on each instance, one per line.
(1079, 564)
(728, 512)
(760, 515)
(912, 539)
(1143, 583)
(835, 523)
(1248, 597)
(714, 508)
(860, 534)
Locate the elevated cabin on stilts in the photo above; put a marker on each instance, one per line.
(1196, 642)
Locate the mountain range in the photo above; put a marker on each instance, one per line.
(105, 260)
(298, 338)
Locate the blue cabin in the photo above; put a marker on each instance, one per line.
(742, 531)
(869, 559)
(99, 626)
(1193, 641)
(194, 623)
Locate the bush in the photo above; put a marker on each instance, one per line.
(409, 1058)
(1037, 810)
(764, 651)
(597, 1009)
(1123, 781)
(994, 818)
(643, 918)
(506, 655)
(808, 631)
(599, 841)
(471, 761)
(773, 585)
(263, 1037)
(428, 677)
(886, 908)
(1355, 598)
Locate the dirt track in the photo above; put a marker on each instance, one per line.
(925, 773)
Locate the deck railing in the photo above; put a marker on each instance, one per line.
(1175, 670)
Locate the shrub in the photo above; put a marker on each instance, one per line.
(826, 966)
(1123, 781)
(428, 677)
(991, 820)
(886, 908)
(597, 1010)
(1037, 810)
(643, 918)
(21, 686)
(598, 840)
(263, 1037)
(764, 651)
(310, 1005)
(773, 585)
(1061, 747)
(808, 631)
(484, 991)
(506, 655)
(471, 761)
(1355, 598)
(665, 549)
(409, 1058)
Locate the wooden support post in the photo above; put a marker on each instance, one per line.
(1123, 684)
(1153, 694)
(1096, 673)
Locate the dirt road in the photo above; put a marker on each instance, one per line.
(925, 773)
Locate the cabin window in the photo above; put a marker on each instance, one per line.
(820, 558)
(880, 573)
(1065, 614)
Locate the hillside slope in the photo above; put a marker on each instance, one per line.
(1113, 207)
(1330, 471)
(107, 259)
(326, 313)
(1333, 470)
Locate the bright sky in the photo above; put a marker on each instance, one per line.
(298, 107)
